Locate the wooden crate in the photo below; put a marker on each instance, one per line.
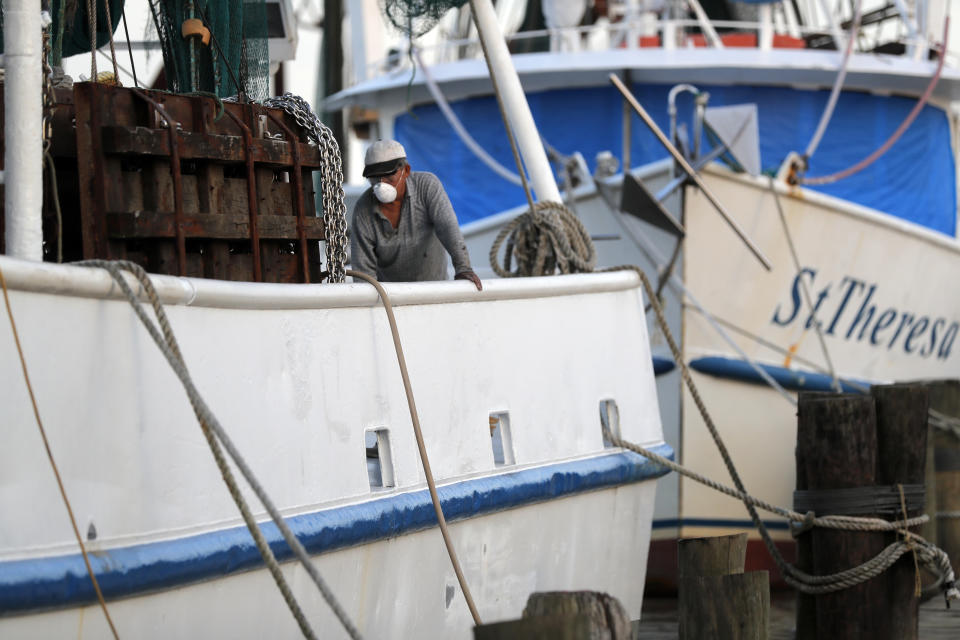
(181, 204)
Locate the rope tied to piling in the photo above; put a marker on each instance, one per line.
(546, 238)
(928, 554)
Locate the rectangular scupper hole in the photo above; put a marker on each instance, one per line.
(609, 421)
(500, 438)
(379, 462)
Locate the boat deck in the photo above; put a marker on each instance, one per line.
(659, 619)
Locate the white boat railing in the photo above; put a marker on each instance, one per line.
(644, 34)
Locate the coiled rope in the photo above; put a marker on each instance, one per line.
(414, 416)
(218, 440)
(546, 238)
(53, 463)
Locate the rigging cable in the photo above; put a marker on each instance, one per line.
(837, 85)
(803, 284)
(458, 127)
(866, 162)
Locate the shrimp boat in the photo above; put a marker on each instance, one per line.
(826, 134)
(298, 381)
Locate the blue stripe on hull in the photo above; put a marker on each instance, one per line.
(790, 379)
(662, 365)
(62, 581)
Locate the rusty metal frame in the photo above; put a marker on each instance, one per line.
(177, 179)
(251, 193)
(296, 185)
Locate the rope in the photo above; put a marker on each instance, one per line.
(53, 464)
(217, 438)
(113, 51)
(837, 85)
(545, 238)
(944, 423)
(655, 257)
(92, 23)
(866, 162)
(411, 404)
(928, 554)
(796, 265)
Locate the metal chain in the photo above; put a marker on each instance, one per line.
(331, 180)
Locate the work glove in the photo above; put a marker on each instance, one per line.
(471, 276)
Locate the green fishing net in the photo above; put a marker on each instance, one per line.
(70, 31)
(235, 61)
(416, 17)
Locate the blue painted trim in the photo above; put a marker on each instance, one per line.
(62, 581)
(716, 523)
(663, 365)
(790, 379)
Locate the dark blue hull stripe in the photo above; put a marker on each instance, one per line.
(662, 365)
(62, 581)
(716, 523)
(790, 379)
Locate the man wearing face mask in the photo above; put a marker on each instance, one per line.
(404, 225)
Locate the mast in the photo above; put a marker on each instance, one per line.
(515, 102)
(23, 131)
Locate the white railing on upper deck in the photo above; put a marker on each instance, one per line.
(645, 32)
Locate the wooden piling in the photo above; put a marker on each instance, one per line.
(836, 449)
(716, 598)
(854, 441)
(563, 615)
(945, 398)
(902, 411)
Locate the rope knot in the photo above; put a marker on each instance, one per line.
(796, 530)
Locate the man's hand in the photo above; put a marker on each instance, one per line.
(471, 276)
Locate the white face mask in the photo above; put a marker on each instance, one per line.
(385, 192)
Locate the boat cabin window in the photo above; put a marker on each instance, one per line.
(609, 421)
(379, 462)
(500, 438)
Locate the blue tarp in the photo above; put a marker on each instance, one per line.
(914, 180)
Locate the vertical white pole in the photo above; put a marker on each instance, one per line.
(23, 133)
(515, 103)
(358, 40)
(766, 27)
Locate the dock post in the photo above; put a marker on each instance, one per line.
(836, 449)
(563, 615)
(901, 459)
(945, 398)
(717, 599)
(858, 442)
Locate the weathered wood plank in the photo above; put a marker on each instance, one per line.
(148, 141)
(221, 227)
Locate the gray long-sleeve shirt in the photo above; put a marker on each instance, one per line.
(417, 249)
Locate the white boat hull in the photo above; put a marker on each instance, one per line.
(297, 375)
